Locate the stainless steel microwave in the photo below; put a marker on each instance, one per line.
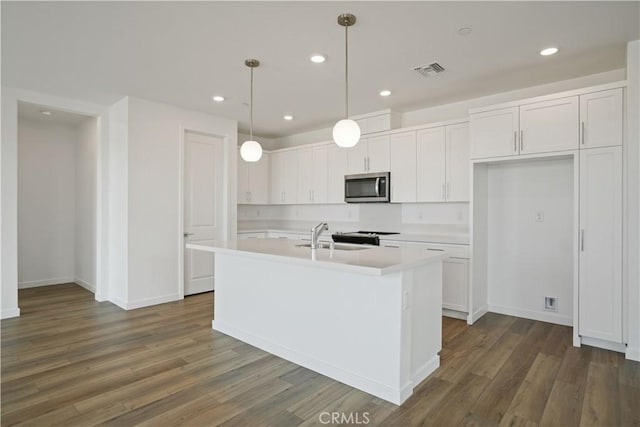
(367, 188)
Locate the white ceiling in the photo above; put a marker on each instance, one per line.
(30, 111)
(183, 52)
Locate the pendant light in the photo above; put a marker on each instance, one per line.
(251, 151)
(346, 133)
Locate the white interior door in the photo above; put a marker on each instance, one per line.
(202, 208)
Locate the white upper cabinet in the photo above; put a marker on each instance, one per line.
(305, 175)
(549, 126)
(600, 244)
(403, 167)
(370, 155)
(601, 119)
(443, 164)
(284, 177)
(457, 163)
(338, 167)
(495, 133)
(253, 181)
(431, 153)
(319, 174)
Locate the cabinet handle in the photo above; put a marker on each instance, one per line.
(446, 193)
(582, 133)
(249, 195)
(368, 163)
(309, 194)
(443, 192)
(313, 195)
(521, 140)
(582, 240)
(515, 141)
(364, 163)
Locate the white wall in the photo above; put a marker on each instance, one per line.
(528, 259)
(266, 143)
(460, 109)
(46, 203)
(86, 203)
(154, 217)
(632, 158)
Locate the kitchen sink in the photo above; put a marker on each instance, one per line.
(336, 246)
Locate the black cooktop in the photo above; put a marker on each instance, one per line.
(361, 237)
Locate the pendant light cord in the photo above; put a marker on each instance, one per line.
(251, 109)
(346, 70)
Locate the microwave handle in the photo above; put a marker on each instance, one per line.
(378, 187)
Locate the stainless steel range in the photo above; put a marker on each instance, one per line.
(361, 237)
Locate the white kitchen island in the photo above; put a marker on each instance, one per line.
(369, 318)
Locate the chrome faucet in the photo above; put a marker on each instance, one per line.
(316, 232)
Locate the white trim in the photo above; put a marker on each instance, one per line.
(45, 282)
(455, 314)
(424, 371)
(557, 95)
(521, 157)
(531, 314)
(633, 354)
(308, 361)
(146, 302)
(88, 286)
(119, 302)
(476, 315)
(9, 312)
(607, 345)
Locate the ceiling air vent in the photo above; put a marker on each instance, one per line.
(429, 70)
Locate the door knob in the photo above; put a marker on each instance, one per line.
(187, 234)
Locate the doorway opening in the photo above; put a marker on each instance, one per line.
(57, 197)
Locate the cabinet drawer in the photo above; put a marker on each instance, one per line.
(251, 235)
(454, 251)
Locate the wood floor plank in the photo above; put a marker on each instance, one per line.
(71, 361)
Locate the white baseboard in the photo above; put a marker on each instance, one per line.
(425, 370)
(119, 302)
(146, 302)
(633, 353)
(45, 282)
(88, 286)
(607, 345)
(383, 391)
(8, 313)
(101, 298)
(533, 315)
(473, 317)
(454, 314)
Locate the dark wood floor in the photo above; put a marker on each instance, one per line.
(71, 361)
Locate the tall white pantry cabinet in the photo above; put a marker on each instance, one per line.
(588, 124)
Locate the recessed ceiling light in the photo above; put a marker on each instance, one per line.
(218, 98)
(46, 113)
(318, 58)
(548, 51)
(464, 31)
(385, 92)
(288, 117)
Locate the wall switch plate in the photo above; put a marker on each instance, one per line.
(550, 304)
(540, 216)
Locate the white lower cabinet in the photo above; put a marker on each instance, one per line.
(251, 235)
(600, 244)
(455, 272)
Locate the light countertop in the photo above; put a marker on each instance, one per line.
(443, 238)
(373, 260)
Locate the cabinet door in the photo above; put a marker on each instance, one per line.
(357, 157)
(305, 165)
(290, 177)
(338, 166)
(243, 180)
(601, 119)
(600, 244)
(431, 148)
(378, 154)
(549, 126)
(403, 167)
(454, 284)
(457, 163)
(259, 181)
(277, 178)
(495, 133)
(319, 175)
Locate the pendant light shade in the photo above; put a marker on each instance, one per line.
(251, 151)
(346, 133)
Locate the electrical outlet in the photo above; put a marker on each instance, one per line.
(258, 213)
(420, 215)
(540, 216)
(550, 304)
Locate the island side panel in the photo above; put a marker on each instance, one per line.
(347, 326)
